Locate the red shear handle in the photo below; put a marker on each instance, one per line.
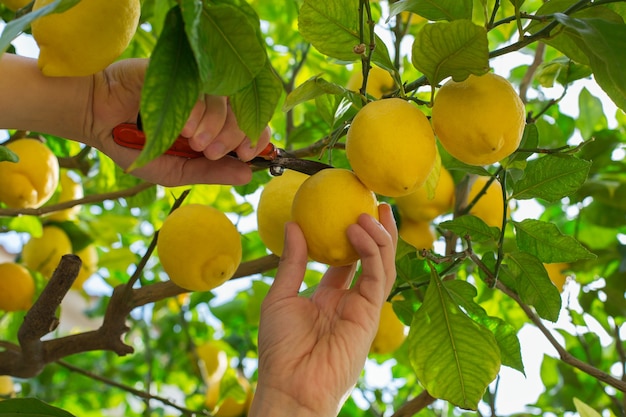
(129, 136)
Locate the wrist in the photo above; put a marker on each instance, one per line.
(275, 403)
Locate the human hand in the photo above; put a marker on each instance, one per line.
(312, 350)
(211, 128)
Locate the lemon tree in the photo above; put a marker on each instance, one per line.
(379, 82)
(557, 272)
(75, 43)
(324, 206)
(69, 190)
(420, 205)
(418, 233)
(525, 95)
(391, 162)
(479, 120)
(391, 332)
(206, 239)
(43, 253)
(18, 287)
(274, 209)
(488, 202)
(89, 265)
(31, 181)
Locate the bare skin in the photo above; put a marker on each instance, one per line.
(86, 109)
(312, 350)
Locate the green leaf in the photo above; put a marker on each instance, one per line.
(547, 243)
(7, 155)
(600, 39)
(310, 89)
(454, 358)
(471, 226)
(332, 27)
(532, 284)
(551, 177)
(561, 69)
(30, 407)
(254, 105)
(170, 90)
(15, 27)
(435, 9)
(591, 116)
(585, 410)
(455, 49)
(225, 45)
(463, 293)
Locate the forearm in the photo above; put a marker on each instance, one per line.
(269, 402)
(31, 101)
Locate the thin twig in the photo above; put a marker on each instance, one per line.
(138, 393)
(94, 198)
(565, 356)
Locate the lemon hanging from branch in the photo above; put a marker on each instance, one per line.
(86, 38)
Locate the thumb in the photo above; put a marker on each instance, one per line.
(292, 264)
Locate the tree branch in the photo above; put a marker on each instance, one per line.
(95, 198)
(414, 406)
(30, 358)
(563, 353)
(138, 393)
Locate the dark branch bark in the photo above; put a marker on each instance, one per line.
(30, 358)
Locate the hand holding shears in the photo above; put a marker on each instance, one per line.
(275, 159)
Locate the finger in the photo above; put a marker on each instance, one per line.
(228, 139)
(207, 120)
(245, 151)
(194, 119)
(173, 171)
(292, 265)
(385, 214)
(338, 277)
(375, 244)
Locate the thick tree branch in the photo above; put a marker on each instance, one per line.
(30, 358)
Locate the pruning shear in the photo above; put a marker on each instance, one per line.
(275, 159)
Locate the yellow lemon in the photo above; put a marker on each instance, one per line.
(85, 38)
(324, 206)
(15, 5)
(214, 360)
(419, 234)
(17, 287)
(490, 205)
(391, 332)
(230, 406)
(274, 209)
(199, 247)
(379, 82)
(70, 190)
(44, 253)
(31, 181)
(419, 206)
(480, 120)
(557, 274)
(89, 257)
(7, 389)
(391, 147)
